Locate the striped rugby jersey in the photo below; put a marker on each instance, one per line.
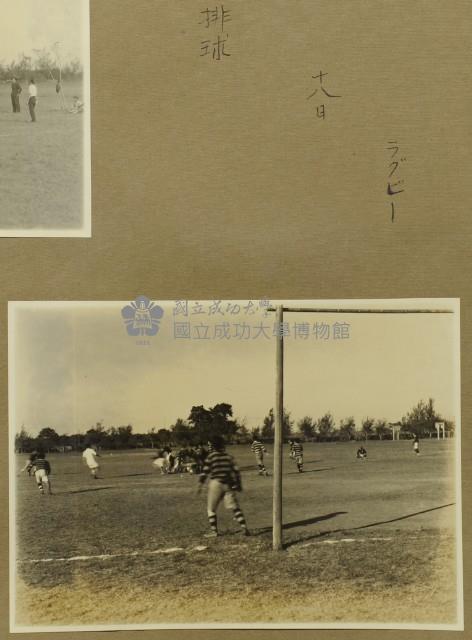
(297, 448)
(41, 463)
(258, 448)
(220, 466)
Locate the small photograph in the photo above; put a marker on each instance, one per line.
(235, 464)
(45, 119)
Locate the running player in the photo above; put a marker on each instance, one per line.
(298, 454)
(29, 464)
(258, 449)
(224, 480)
(90, 458)
(41, 469)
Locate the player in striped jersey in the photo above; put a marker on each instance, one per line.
(41, 469)
(297, 449)
(258, 449)
(224, 479)
(29, 464)
(291, 443)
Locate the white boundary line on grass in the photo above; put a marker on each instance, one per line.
(135, 554)
(109, 556)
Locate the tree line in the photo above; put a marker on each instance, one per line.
(43, 64)
(202, 424)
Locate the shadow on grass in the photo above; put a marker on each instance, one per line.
(409, 515)
(253, 467)
(132, 475)
(87, 490)
(324, 534)
(302, 523)
(292, 473)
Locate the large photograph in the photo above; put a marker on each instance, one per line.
(45, 118)
(249, 463)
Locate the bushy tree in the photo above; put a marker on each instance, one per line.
(200, 420)
(222, 422)
(450, 427)
(164, 436)
(325, 427)
(420, 421)
(23, 441)
(367, 429)
(97, 435)
(381, 429)
(47, 438)
(307, 427)
(268, 426)
(242, 434)
(255, 433)
(125, 436)
(181, 432)
(347, 429)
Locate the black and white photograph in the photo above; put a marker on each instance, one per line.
(235, 464)
(45, 119)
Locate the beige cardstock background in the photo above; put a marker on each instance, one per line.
(216, 179)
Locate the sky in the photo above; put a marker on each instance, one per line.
(38, 24)
(73, 364)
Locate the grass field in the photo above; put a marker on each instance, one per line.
(42, 185)
(366, 541)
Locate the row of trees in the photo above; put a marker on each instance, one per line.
(43, 63)
(202, 424)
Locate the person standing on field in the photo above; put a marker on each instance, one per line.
(292, 454)
(15, 95)
(416, 446)
(224, 481)
(33, 99)
(298, 454)
(258, 449)
(90, 458)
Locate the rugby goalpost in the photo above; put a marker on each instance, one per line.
(277, 536)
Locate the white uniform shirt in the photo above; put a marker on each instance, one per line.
(90, 457)
(33, 90)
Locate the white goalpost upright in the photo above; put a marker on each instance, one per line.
(395, 431)
(440, 429)
(277, 515)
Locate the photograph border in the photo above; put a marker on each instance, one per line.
(85, 231)
(453, 303)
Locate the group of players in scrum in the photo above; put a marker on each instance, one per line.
(192, 460)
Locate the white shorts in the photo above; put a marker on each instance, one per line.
(41, 476)
(92, 466)
(217, 491)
